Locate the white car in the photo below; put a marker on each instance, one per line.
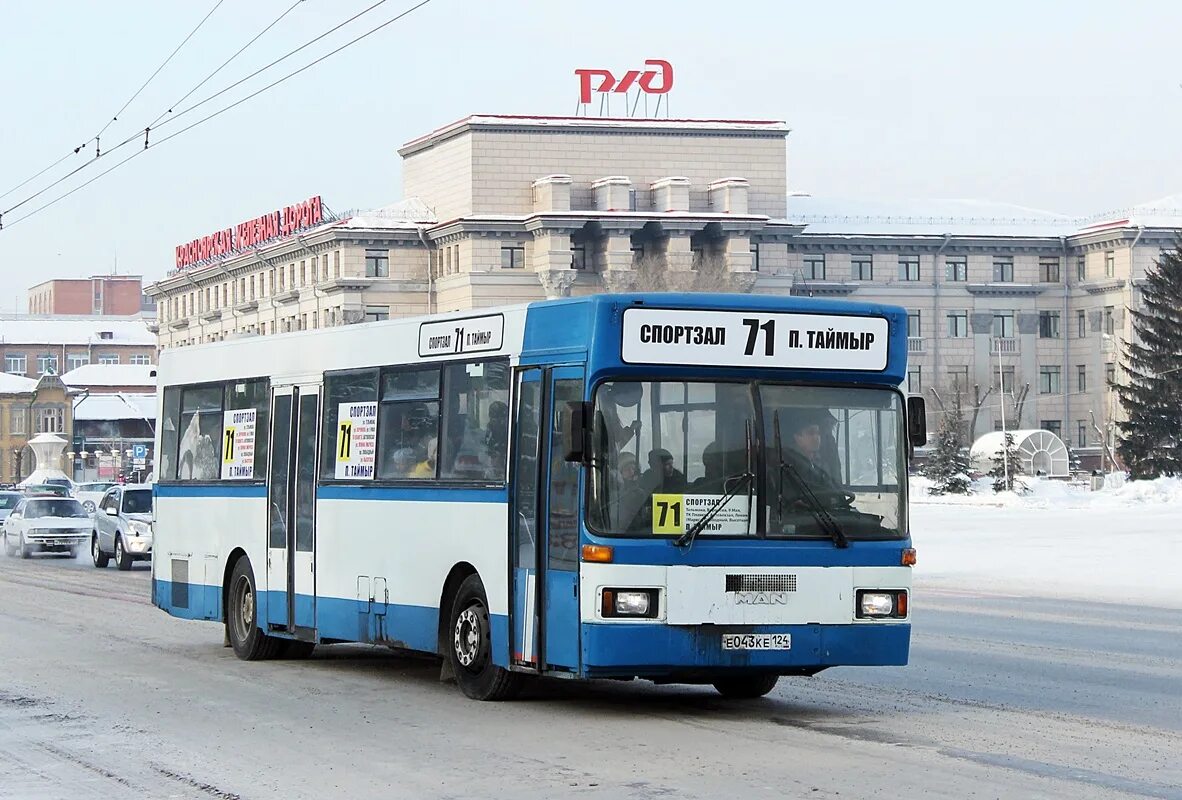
(123, 526)
(89, 494)
(47, 524)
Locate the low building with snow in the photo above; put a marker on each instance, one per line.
(113, 435)
(30, 407)
(109, 378)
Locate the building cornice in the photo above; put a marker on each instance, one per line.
(1101, 287)
(1005, 289)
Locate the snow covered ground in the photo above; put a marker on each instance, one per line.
(1122, 544)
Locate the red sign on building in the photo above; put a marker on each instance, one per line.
(251, 233)
(646, 79)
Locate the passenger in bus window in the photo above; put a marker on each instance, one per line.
(426, 467)
(662, 477)
(714, 464)
(496, 439)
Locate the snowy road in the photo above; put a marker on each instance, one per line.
(103, 696)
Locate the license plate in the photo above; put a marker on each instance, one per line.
(757, 641)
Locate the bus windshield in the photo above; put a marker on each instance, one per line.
(666, 453)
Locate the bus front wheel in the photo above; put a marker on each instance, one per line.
(469, 646)
(246, 637)
(746, 687)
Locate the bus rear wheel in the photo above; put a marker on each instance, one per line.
(746, 687)
(246, 637)
(470, 651)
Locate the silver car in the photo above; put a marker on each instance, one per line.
(8, 501)
(123, 526)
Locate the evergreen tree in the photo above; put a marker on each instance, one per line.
(1151, 438)
(948, 467)
(1007, 455)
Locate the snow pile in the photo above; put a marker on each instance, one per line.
(1122, 544)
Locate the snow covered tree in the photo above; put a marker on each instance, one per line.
(1007, 469)
(1151, 438)
(948, 467)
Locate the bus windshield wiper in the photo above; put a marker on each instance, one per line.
(744, 478)
(827, 523)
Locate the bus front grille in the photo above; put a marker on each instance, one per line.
(760, 583)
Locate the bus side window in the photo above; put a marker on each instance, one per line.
(347, 387)
(475, 441)
(168, 433)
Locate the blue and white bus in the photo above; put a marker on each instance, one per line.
(683, 488)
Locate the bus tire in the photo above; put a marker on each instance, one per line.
(242, 626)
(101, 559)
(469, 646)
(746, 687)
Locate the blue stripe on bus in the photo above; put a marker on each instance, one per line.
(437, 494)
(394, 624)
(225, 489)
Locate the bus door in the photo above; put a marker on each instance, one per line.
(291, 503)
(545, 525)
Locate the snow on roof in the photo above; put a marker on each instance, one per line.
(110, 375)
(117, 406)
(16, 384)
(618, 124)
(861, 217)
(854, 217)
(26, 329)
(409, 213)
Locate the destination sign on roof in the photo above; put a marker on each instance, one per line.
(755, 339)
(456, 336)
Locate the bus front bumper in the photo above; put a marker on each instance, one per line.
(660, 650)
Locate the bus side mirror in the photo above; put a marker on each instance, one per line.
(917, 421)
(575, 432)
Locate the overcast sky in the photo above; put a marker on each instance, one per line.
(1074, 107)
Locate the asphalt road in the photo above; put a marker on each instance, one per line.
(104, 696)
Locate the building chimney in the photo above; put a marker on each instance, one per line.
(612, 193)
(728, 195)
(671, 194)
(552, 193)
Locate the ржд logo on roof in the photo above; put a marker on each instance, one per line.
(646, 79)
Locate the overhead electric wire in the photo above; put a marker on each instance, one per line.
(135, 136)
(162, 66)
(220, 111)
(225, 63)
(94, 138)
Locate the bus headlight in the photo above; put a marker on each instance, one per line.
(879, 604)
(634, 603)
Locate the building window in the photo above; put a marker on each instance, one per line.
(1081, 268)
(914, 329)
(578, 257)
(1007, 379)
(336, 264)
(1003, 324)
(1081, 323)
(1048, 324)
(1110, 375)
(1081, 377)
(47, 365)
(1109, 320)
(1003, 269)
(304, 272)
(291, 284)
(377, 263)
(958, 324)
(1110, 264)
(514, 257)
(109, 358)
(958, 378)
(956, 268)
(15, 365)
(1048, 380)
(914, 380)
(1081, 433)
(755, 257)
(50, 420)
(908, 268)
(18, 419)
(140, 361)
(377, 313)
(814, 267)
(1055, 426)
(862, 268)
(1048, 269)
(75, 360)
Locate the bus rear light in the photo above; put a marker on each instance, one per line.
(630, 603)
(881, 604)
(908, 558)
(600, 553)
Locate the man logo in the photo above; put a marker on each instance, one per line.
(761, 598)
